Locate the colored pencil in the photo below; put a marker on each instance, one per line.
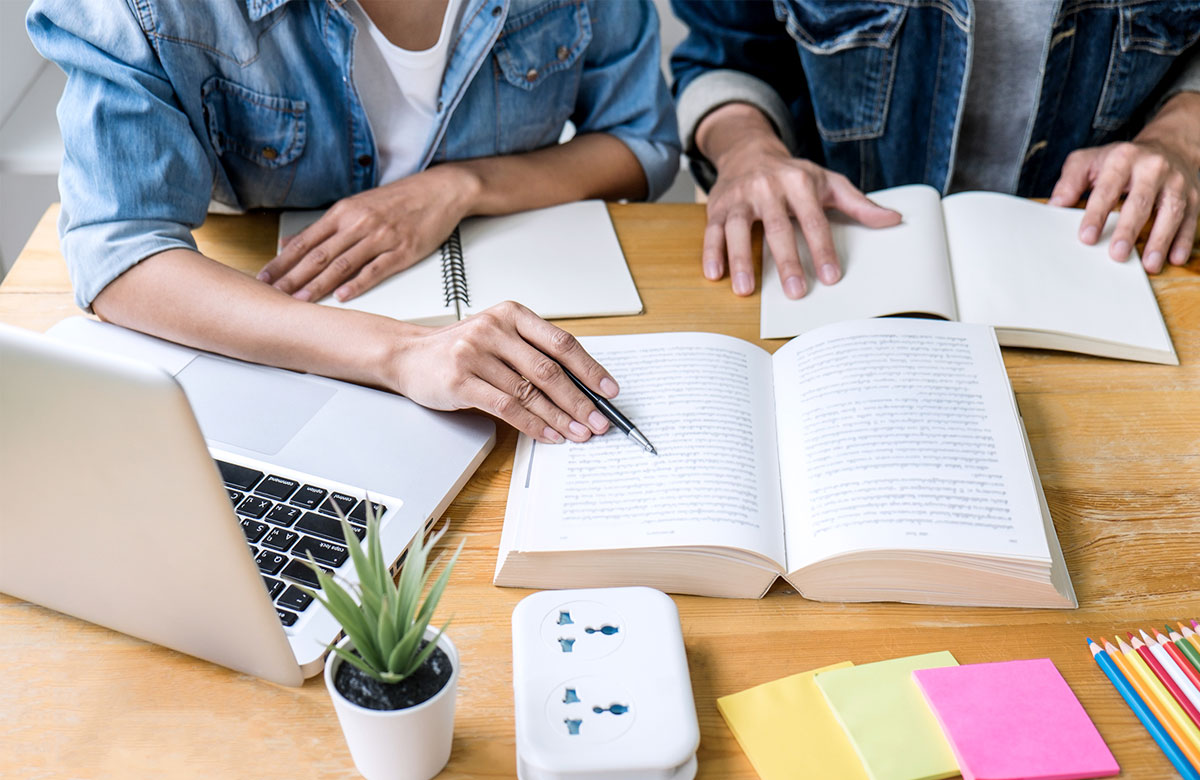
(1143, 713)
(1180, 660)
(1161, 673)
(1189, 635)
(1155, 703)
(1172, 668)
(1189, 731)
(1185, 647)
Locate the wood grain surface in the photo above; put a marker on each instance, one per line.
(1117, 445)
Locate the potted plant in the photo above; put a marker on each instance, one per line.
(393, 677)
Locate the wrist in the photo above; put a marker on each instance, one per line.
(463, 186)
(737, 130)
(1176, 127)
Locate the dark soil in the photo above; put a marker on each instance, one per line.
(360, 688)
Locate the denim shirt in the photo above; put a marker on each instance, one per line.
(171, 103)
(875, 89)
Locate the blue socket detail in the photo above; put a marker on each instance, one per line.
(569, 697)
(572, 726)
(567, 644)
(615, 709)
(564, 618)
(606, 630)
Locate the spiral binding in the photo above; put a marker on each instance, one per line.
(454, 272)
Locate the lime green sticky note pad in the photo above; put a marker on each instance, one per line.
(787, 731)
(887, 719)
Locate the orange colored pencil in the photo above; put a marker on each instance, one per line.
(1165, 678)
(1155, 703)
(1184, 665)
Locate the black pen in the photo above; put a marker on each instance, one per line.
(612, 413)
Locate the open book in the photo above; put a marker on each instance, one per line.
(999, 260)
(874, 460)
(562, 261)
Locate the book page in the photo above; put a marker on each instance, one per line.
(704, 401)
(902, 434)
(1019, 265)
(414, 295)
(562, 261)
(891, 270)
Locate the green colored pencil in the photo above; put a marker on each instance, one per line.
(1185, 647)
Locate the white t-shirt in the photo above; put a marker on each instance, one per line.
(399, 91)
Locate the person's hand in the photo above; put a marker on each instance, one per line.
(506, 360)
(759, 181)
(1155, 177)
(365, 238)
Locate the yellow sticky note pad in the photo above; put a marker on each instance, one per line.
(788, 732)
(887, 720)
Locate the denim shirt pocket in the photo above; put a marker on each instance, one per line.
(538, 60)
(848, 48)
(257, 137)
(1148, 40)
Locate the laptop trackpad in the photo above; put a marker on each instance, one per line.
(248, 406)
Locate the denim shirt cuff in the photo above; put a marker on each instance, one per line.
(659, 161)
(715, 88)
(98, 253)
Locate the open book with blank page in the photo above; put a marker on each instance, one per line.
(561, 261)
(999, 260)
(875, 460)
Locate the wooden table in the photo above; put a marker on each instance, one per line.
(1117, 445)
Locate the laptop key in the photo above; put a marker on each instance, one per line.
(240, 477)
(273, 586)
(253, 529)
(271, 562)
(323, 552)
(234, 496)
(283, 515)
(298, 571)
(359, 515)
(280, 539)
(309, 497)
(254, 507)
(278, 488)
(327, 527)
(285, 617)
(345, 502)
(294, 598)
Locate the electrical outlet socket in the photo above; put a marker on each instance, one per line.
(601, 687)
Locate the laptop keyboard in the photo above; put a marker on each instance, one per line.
(284, 520)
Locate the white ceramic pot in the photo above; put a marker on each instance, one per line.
(408, 744)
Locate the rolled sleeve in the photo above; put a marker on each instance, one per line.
(1189, 78)
(622, 91)
(135, 178)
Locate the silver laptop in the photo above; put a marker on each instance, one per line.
(171, 494)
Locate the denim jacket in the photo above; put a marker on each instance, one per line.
(874, 89)
(171, 103)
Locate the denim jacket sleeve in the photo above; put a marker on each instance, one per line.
(622, 91)
(735, 51)
(134, 177)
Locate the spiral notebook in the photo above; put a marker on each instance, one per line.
(562, 261)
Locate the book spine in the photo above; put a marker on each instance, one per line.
(454, 272)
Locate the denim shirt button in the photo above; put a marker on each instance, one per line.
(439, 107)
(531, 74)
(562, 53)
(269, 152)
(364, 160)
(496, 10)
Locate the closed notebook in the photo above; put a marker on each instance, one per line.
(788, 732)
(562, 261)
(887, 720)
(1015, 719)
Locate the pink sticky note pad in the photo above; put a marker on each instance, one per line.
(1015, 719)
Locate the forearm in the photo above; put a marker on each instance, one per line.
(185, 297)
(1177, 126)
(595, 165)
(734, 128)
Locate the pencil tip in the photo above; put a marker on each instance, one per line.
(1129, 634)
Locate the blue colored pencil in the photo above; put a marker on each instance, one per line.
(1143, 714)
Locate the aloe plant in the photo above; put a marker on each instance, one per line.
(384, 622)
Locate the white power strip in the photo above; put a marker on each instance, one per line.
(601, 686)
